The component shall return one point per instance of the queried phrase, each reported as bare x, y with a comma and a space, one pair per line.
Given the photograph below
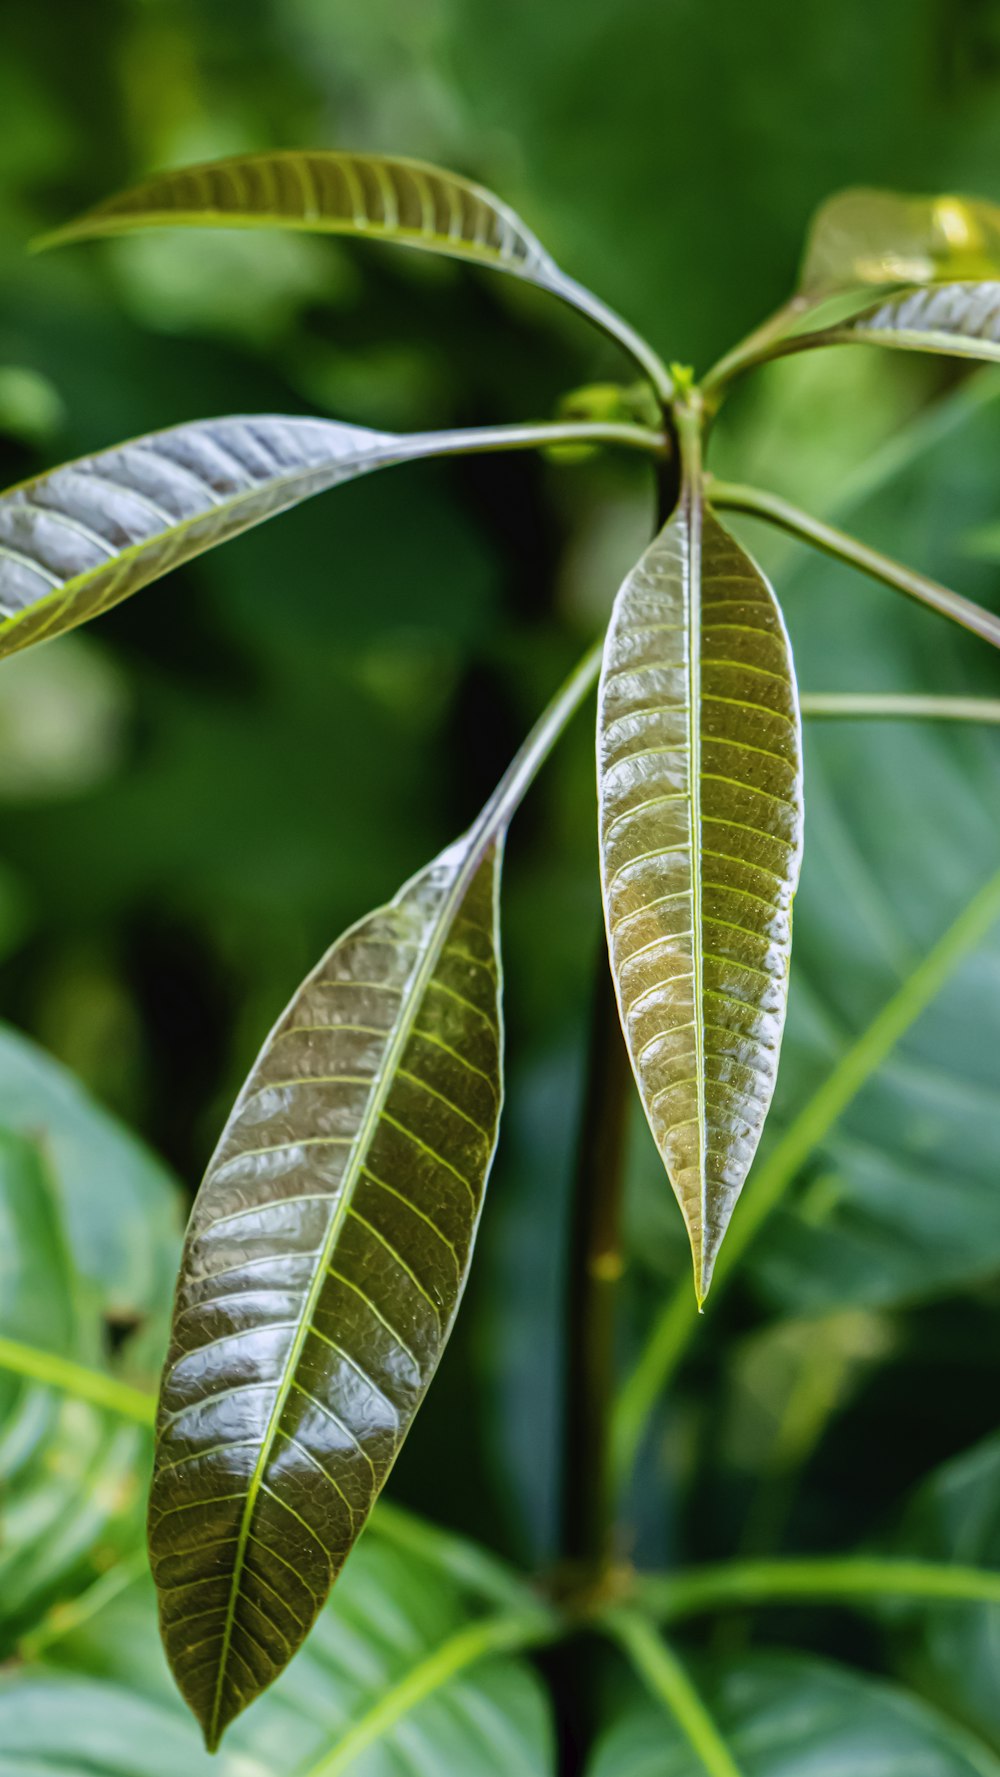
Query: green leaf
863, 237
962, 320
79, 539
402, 1663
785, 1716
951, 1653
89, 1230
376, 196
323, 1267
700, 787
370, 196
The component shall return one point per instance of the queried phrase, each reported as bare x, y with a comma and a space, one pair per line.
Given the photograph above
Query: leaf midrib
693, 519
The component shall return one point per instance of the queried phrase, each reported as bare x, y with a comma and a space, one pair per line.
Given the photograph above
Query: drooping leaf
786, 1716
372, 196
962, 320
699, 778
79, 539
90, 1227
323, 1267
885, 237
97, 1695
951, 1653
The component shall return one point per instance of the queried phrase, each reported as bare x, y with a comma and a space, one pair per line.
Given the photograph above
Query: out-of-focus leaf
784, 1716
88, 1234
323, 1267
98, 1694
372, 196
863, 237
75, 541
951, 1652
699, 774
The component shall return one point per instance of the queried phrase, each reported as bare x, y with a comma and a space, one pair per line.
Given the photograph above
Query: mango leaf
962, 320
323, 1267
90, 1226
883, 237
403, 1660
951, 1652
77, 540
371, 196
700, 788
785, 1716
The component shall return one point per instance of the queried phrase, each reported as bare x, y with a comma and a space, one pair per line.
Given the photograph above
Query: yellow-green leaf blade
77, 540
699, 779
369, 196
324, 1264
376, 196
863, 237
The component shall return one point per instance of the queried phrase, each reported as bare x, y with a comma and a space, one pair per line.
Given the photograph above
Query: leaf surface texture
324, 1263
79, 539
700, 808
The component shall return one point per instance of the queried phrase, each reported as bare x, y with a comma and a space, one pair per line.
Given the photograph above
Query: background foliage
187, 816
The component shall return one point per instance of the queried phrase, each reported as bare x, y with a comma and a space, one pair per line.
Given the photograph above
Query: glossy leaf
962, 320
324, 1263
785, 1716
699, 776
79, 539
90, 1228
884, 237
97, 1695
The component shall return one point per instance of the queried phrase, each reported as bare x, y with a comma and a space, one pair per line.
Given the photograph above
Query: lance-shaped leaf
371, 196
962, 320
884, 237
323, 1267
700, 787
79, 539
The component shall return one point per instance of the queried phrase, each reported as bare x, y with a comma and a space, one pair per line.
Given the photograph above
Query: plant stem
822, 1579
92, 1386
787, 517
503, 1634
595, 1267
903, 706
666, 1679
541, 435
775, 1176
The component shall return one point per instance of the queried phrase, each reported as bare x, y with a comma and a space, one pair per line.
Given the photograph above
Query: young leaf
323, 1267
372, 196
700, 788
883, 237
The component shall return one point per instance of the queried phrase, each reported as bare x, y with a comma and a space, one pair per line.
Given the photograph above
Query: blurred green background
200, 792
